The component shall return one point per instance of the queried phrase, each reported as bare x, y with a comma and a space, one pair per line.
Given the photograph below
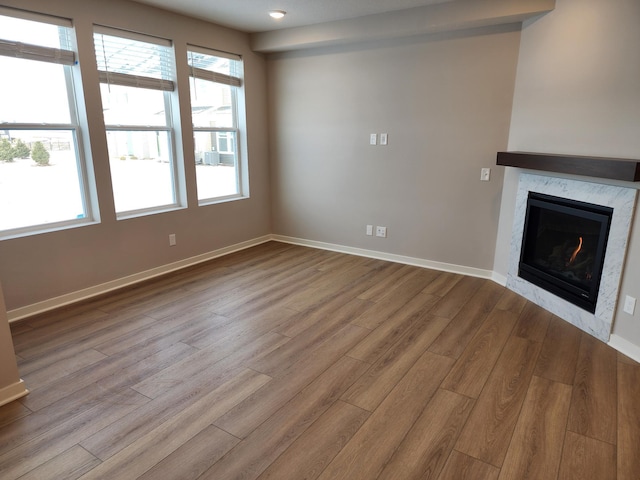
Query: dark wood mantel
600, 167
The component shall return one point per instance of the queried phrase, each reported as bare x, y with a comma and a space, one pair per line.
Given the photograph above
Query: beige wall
44, 266
445, 102
11, 386
578, 92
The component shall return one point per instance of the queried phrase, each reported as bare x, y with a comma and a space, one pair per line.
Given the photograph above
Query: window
136, 83
215, 81
43, 182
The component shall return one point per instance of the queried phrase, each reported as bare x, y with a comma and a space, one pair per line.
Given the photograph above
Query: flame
575, 252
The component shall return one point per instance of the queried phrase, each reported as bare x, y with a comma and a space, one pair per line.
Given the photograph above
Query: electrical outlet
381, 232
369, 230
373, 139
629, 305
384, 138
172, 239
485, 174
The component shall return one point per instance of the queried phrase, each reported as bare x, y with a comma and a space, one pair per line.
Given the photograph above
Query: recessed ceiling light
277, 13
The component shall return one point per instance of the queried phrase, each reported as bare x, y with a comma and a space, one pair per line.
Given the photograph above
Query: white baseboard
499, 279
87, 293
620, 344
418, 262
12, 392
625, 347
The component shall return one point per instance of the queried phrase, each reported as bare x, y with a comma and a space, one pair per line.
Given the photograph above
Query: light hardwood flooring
284, 362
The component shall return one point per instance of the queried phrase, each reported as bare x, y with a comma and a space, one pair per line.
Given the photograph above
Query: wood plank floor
284, 362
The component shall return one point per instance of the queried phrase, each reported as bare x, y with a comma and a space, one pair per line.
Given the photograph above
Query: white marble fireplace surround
622, 200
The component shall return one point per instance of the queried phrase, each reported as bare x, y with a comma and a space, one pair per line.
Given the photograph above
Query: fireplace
563, 247
573, 195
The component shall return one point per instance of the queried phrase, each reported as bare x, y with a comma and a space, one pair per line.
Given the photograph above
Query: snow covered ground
32, 195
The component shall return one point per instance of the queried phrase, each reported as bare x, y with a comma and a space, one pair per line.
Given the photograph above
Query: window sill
215, 201
44, 229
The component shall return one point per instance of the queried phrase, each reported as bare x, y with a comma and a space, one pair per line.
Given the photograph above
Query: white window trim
167, 85
238, 106
67, 58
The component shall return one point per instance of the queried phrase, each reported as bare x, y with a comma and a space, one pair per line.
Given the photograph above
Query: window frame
168, 86
66, 57
235, 137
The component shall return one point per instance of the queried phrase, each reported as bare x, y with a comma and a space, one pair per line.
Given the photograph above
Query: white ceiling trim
253, 15
450, 16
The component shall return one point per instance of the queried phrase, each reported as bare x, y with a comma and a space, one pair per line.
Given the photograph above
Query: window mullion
137, 128
215, 129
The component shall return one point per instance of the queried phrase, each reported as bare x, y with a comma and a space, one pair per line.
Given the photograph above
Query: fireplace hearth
563, 247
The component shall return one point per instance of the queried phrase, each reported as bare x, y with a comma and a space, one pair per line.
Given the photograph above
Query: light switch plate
383, 138
373, 139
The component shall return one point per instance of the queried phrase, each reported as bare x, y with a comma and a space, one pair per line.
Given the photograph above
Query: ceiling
252, 15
